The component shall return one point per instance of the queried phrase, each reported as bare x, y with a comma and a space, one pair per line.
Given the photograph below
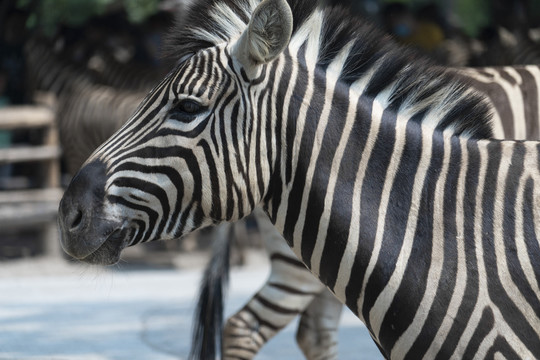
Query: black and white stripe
366, 158
513, 92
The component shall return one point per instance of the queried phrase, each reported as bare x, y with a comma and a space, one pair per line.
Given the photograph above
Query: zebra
91, 113
272, 164
501, 46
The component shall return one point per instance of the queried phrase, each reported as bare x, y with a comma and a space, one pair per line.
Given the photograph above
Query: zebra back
513, 93
47, 70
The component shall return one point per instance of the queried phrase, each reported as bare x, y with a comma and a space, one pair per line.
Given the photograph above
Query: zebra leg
288, 292
317, 333
280, 300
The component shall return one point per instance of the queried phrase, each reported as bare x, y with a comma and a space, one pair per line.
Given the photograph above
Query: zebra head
190, 156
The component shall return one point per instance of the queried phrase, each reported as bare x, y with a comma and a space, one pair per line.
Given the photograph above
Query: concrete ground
53, 310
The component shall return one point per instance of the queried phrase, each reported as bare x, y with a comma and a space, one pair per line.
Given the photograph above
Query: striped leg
290, 289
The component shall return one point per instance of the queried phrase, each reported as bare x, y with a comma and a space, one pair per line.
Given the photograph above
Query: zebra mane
412, 80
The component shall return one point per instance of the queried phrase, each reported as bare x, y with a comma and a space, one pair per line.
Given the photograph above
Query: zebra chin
108, 253
87, 232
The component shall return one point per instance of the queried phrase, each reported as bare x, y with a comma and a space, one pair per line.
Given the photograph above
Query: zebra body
245, 119
511, 92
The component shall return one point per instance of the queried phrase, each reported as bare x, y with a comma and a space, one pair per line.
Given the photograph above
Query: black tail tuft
208, 317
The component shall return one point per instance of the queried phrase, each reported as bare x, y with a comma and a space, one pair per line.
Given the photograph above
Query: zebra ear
267, 35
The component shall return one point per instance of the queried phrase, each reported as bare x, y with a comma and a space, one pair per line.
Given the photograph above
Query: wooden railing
34, 207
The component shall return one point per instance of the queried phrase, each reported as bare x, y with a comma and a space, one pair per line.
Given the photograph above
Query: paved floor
91, 314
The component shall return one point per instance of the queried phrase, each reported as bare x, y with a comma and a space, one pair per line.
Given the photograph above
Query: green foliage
139, 10
474, 15
47, 15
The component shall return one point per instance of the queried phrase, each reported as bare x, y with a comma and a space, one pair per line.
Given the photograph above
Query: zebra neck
382, 210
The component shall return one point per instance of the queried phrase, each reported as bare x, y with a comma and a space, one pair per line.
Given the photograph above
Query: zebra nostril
77, 220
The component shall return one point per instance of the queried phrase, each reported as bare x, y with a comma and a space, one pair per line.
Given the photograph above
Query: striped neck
381, 205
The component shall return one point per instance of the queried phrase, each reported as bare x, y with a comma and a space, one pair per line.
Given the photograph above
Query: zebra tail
208, 316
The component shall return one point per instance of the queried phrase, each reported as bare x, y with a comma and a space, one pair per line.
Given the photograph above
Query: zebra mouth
109, 252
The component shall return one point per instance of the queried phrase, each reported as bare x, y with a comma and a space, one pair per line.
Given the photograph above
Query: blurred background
72, 72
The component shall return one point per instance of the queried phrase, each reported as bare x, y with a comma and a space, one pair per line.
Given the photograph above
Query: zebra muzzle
87, 233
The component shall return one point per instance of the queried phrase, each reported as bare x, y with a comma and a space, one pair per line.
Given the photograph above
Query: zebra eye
185, 110
189, 106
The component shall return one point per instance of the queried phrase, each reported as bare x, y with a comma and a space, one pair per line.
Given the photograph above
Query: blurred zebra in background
513, 93
90, 105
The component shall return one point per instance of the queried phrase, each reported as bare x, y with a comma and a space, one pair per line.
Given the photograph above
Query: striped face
185, 160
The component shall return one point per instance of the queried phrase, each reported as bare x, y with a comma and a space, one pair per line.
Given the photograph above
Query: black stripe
499, 99
339, 221
288, 260
291, 290
261, 322
529, 90
276, 180
295, 103
275, 307
215, 211
515, 172
304, 153
152, 215
149, 188
497, 292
